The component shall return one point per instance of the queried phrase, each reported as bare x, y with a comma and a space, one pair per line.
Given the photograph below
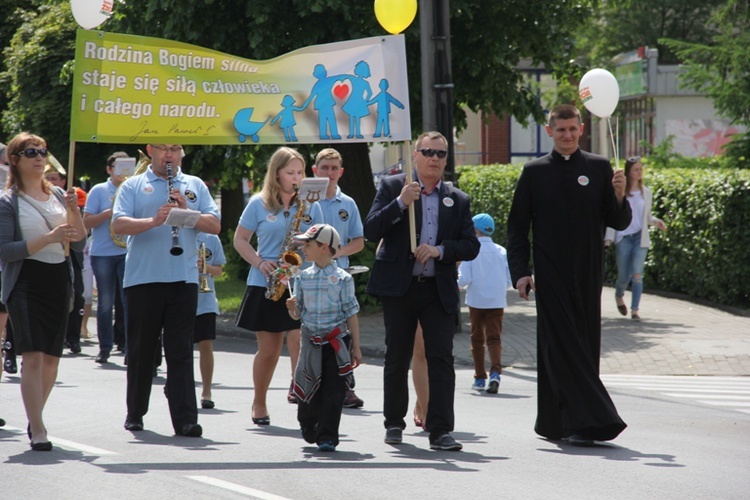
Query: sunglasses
32, 152
429, 153
634, 159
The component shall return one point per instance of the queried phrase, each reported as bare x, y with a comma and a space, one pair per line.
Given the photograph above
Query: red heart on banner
341, 90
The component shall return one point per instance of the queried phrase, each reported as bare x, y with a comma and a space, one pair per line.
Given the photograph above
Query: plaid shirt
325, 297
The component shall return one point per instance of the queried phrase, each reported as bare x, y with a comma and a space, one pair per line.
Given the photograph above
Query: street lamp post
437, 80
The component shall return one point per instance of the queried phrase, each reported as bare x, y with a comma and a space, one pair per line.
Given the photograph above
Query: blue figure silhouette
383, 100
286, 120
322, 92
356, 105
246, 127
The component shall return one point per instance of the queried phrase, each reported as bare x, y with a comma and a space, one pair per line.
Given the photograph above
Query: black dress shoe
102, 357
190, 430
133, 424
2, 422
75, 347
10, 365
579, 440
43, 446
207, 404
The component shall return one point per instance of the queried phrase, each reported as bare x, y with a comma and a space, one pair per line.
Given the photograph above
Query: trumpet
203, 281
176, 248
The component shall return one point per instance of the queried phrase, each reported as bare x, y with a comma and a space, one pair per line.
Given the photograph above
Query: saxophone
287, 256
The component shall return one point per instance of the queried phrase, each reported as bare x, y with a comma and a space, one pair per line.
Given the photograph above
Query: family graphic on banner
351, 92
187, 94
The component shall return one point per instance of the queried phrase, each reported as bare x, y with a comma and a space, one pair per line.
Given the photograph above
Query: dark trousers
420, 303
153, 308
119, 326
324, 409
73, 334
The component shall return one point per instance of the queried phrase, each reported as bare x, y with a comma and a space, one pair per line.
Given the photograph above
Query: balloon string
612, 138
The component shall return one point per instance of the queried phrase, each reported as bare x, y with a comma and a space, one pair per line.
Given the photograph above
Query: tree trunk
357, 181
232, 204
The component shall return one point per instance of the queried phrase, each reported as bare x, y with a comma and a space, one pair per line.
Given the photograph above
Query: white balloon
599, 92
91, 13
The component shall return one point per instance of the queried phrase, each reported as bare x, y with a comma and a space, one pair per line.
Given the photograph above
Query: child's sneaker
494, 383
479, 384
326, 446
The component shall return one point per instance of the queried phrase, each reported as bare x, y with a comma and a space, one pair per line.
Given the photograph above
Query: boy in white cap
323, 298
486, 280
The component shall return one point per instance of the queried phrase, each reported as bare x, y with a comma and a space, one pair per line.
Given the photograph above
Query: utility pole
437, 79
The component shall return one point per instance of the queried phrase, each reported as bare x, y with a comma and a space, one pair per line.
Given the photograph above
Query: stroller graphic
246, 127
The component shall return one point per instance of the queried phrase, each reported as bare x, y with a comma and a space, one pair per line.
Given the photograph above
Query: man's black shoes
190, 430
579, 440
393, 435
133, 424
445, 442
102, 357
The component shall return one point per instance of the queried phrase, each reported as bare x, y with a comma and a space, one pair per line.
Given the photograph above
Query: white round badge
448, 202
583, 180
271, 218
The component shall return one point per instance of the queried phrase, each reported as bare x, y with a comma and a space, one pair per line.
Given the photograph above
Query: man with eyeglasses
420, 287
567, 198
161, 286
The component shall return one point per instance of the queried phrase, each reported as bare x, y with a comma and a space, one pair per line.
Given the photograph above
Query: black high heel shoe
44, 446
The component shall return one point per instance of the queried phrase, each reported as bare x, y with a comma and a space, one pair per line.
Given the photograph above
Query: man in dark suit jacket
420, 286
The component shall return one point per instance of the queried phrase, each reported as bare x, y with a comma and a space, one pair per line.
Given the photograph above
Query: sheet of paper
124, 167
313, 189
182, 217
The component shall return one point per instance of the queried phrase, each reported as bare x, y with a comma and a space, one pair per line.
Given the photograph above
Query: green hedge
705, 252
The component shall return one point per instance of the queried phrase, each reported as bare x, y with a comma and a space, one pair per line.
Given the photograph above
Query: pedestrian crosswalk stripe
733, 392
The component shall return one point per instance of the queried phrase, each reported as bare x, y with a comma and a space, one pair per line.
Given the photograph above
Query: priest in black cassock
567, 198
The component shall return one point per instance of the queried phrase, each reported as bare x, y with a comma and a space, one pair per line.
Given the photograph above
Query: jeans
109, 272
631, 258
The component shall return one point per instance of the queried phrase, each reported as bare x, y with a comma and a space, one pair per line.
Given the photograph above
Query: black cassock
567, 203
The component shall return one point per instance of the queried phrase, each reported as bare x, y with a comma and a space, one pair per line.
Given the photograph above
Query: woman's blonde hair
270, 194
15, 146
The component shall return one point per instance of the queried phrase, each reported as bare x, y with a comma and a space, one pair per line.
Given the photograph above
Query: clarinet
176, 248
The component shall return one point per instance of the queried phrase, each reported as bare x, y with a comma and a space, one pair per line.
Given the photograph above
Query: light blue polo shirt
341, 212
148, 259
100, 199
207, 302
271, 229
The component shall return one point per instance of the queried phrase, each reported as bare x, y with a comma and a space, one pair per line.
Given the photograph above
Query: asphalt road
687, 438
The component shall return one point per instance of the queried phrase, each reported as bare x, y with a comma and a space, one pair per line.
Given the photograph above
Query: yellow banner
133, 89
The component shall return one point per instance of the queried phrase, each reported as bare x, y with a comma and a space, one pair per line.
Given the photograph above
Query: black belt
422, 279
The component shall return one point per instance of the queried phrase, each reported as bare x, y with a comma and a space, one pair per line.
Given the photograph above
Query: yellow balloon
395, 15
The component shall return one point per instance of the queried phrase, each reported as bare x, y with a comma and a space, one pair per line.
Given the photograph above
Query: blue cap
484, 223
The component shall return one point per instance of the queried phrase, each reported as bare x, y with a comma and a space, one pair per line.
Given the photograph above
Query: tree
489, 42
626, 25
721, 67
37, 83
